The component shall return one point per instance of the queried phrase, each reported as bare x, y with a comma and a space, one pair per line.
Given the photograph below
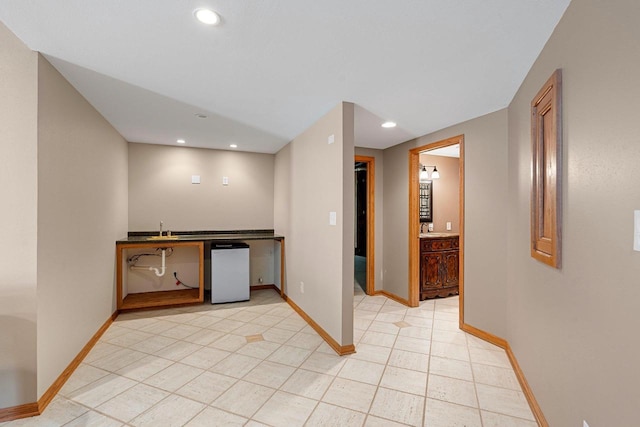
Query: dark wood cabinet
439, 266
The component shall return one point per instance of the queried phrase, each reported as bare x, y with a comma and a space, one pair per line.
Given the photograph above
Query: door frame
371, 223
414, 220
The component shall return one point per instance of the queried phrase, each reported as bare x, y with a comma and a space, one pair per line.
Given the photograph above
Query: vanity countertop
432, 235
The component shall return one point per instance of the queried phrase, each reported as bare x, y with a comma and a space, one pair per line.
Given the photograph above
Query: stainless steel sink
163, 238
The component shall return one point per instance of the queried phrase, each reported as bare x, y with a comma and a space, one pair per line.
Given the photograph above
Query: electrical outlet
260, 279
448, 226
225, 180
302, 287
333, 218
331, 139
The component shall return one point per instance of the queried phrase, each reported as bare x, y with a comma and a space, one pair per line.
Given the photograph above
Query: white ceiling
448, 151
276, 66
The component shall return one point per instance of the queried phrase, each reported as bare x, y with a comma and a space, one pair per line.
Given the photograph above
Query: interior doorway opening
420, 215
364, 220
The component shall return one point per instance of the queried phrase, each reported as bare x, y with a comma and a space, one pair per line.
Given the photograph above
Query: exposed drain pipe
159, 272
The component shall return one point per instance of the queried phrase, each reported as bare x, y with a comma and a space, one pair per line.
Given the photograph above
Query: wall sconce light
424, 174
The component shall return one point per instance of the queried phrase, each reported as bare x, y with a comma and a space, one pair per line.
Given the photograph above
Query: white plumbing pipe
162, 270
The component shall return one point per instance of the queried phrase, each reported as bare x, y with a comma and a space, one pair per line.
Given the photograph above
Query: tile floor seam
426, 387
475, 388
90, 409
286, 324
507, 415
154, 353
124, 391
255, 412
378, 386
375, 394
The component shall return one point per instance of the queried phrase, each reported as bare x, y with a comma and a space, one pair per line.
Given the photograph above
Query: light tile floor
258, 363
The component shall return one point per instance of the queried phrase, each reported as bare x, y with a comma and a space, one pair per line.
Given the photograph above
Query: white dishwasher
229, 272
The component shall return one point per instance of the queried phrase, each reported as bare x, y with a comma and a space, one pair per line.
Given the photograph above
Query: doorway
364, 220
414, 218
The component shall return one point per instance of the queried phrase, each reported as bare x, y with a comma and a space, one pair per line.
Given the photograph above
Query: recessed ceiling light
200, 116
207, 16
389, 125
181, 141
233, 145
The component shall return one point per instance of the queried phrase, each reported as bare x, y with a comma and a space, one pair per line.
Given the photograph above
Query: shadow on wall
18, 383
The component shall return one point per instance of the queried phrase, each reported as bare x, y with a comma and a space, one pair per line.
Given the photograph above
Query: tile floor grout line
248, 318
426, 386
475, 388
378, 386
375, 394
90, 409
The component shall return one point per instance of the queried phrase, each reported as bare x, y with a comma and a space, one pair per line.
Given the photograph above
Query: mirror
426, 201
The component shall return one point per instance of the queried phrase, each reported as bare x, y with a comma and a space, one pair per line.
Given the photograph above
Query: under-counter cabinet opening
159, 274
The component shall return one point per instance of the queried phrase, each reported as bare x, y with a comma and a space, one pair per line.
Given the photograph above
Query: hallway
258, 363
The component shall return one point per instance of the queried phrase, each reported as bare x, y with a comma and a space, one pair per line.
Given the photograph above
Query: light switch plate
448, 226
225, 180
332, 218
636, 231
195, 179
331, 139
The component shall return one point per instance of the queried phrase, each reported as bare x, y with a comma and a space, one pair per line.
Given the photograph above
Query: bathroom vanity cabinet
439, 265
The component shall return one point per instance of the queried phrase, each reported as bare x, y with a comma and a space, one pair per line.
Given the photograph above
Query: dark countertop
197, 236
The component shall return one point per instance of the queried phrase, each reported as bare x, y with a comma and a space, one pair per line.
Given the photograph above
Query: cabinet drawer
430, 244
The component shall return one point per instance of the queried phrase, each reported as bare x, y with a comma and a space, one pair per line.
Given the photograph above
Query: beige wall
446, 192
395, 221
160, 189
313, 178
379, 214
485, 216
18, 220
82, 211
574, 330
485, 160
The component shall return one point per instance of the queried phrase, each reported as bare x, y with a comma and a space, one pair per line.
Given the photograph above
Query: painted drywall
312, 179
446, 192
19, 193
395, 211
348, 213
485, 143
160, 189
379, 214
82, 211
574, 330
485, 216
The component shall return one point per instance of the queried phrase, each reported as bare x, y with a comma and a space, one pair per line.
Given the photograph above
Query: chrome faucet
161, 223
